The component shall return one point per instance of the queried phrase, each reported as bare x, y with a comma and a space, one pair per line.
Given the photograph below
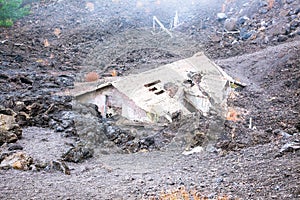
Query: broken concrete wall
112, 102
104, 98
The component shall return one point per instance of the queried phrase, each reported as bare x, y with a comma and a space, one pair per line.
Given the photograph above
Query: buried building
190, 85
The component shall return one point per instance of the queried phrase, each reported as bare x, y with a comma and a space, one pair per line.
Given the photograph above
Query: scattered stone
20, 106
263, 11
194, 150
10, 131
219, 180
58, 166
22, 118
4, 76
282, 38
291, 146
245, 35
40, 164
25, 80
59, 129
19, 161
8, 137
297, 126
211, 148
215, 38
221, 16
281, 133
77, 154
242, 20
230, 24
263, 3
65, 81
289, 1
33, 168
15, 147
5, 155
284, 13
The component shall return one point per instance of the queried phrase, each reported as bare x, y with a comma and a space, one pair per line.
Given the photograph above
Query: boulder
19, 161
57, 165
77, 154
230, 24
10, 131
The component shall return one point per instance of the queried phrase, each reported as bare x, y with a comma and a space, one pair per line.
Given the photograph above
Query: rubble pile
246, 147
254, 24
30, 81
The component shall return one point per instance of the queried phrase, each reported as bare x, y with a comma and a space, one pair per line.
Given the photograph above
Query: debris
230, 24
242, 20
282, 38
156, 21
19, 161
291, 146
221, 16
197, 149
263, 11
175, 20
15, 147
250, 123
282, 133
57, 165
77, 154
245, 35
211, 148
197, 86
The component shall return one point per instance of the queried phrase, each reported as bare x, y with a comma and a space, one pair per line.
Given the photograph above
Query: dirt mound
271, 99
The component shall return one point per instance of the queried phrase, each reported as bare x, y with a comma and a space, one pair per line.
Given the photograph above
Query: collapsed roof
185, 86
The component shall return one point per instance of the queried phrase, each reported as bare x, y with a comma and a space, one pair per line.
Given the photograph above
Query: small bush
11, 10
91, 76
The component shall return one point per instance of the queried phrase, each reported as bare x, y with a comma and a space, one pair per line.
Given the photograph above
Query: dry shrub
91, 76
183, 194
114, 73
232, 115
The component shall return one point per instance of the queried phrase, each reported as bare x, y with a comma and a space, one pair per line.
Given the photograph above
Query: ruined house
185, 86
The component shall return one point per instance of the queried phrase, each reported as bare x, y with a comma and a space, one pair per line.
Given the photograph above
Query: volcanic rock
58, 166
230, 24
77, 154
19, 161
10, 131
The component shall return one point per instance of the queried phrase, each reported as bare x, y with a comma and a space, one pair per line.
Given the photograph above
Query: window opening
152, 83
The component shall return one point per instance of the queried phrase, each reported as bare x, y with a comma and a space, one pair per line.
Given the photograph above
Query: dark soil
45, 53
